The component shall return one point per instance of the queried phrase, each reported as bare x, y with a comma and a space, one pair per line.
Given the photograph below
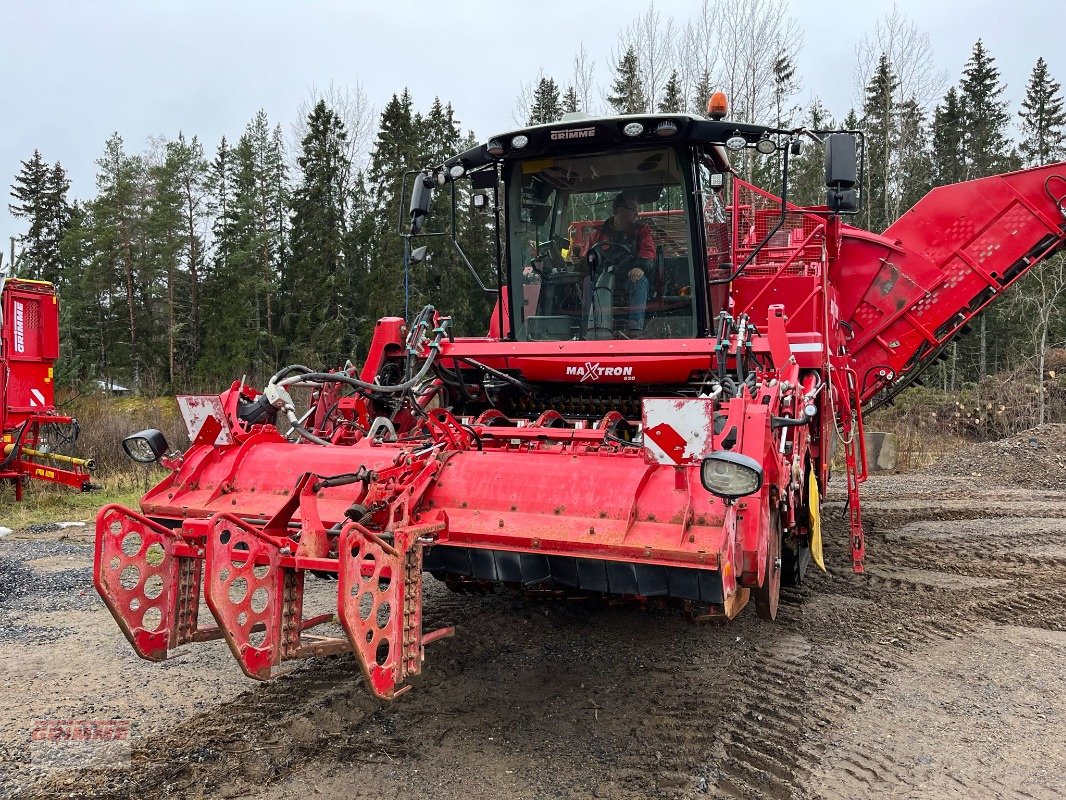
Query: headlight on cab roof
730, 475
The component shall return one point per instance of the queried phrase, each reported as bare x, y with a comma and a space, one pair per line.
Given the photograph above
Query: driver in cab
637, 251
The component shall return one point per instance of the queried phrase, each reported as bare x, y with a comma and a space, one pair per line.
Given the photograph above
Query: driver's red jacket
638, 239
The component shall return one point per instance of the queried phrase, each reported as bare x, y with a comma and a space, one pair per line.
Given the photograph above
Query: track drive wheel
766, 596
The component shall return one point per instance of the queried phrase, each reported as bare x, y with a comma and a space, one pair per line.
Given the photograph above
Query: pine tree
1043, 119
251, 228
395, 153
1039, 301
82, 315
316, 326
178, 217
984, 115
915, 164
949, 145
546, 106
221, 179
446, 281
358, 259
701, 93
30, 191
121, 270
987, 152
571, 103
879, 119
228, 305
673, 101
785, 85
627, 92
41, 195
807, 170
165, 228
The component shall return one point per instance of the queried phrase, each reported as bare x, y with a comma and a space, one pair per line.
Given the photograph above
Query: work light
730, 475
145, 446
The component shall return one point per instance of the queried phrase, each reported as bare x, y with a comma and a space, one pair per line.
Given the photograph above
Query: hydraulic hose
338, 377
13, 454
421, 322
306, 434
286, 370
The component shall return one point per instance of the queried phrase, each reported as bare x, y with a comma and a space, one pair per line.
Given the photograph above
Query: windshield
600, 247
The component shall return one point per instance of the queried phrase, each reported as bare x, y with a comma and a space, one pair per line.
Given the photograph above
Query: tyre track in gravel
536, 700
1011, 585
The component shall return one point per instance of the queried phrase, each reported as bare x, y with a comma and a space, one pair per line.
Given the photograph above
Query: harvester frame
673, 447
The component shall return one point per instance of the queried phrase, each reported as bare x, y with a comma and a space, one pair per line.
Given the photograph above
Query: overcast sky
74, 72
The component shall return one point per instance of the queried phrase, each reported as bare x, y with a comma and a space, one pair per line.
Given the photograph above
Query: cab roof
577, 133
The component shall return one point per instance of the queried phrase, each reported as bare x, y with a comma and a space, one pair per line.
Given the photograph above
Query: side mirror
418, 255
841, 173
421, 196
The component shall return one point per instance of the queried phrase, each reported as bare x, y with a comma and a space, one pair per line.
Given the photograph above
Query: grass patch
43, 502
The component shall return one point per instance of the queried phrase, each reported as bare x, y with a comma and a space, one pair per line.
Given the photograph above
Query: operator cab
634, 227
600, 246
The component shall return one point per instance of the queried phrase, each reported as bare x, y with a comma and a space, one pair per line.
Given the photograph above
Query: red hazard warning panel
677, 430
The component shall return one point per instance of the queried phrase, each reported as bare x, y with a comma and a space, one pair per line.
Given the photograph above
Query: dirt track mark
534, 700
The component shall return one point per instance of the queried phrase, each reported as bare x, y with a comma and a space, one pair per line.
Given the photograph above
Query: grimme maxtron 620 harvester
652, 413
31, 432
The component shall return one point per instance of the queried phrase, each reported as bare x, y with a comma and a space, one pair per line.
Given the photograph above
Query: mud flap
149, 577
257, 603
814, 514
379, 601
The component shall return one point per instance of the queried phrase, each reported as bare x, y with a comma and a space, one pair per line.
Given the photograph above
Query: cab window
600, 247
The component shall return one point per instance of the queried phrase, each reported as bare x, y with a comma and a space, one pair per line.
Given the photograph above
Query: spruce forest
194, 263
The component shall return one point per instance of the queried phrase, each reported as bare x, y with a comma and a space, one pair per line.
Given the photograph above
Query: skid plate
256, 602
149, 577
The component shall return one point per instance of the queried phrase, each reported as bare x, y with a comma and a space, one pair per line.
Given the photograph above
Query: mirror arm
462, 255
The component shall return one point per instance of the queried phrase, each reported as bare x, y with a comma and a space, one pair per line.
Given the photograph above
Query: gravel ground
937, 674
1035, 458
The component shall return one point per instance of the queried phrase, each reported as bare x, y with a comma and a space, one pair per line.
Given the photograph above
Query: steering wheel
548, 255
618, 255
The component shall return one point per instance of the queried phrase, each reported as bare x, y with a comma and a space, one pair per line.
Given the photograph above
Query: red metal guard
256, 602
149, 577
849, 415
380, 603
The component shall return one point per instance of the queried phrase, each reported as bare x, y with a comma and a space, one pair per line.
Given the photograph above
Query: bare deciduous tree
910, 55
700, 52
583, 79
350, 103
524, 100
653, 41
753, 38
1037, 299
